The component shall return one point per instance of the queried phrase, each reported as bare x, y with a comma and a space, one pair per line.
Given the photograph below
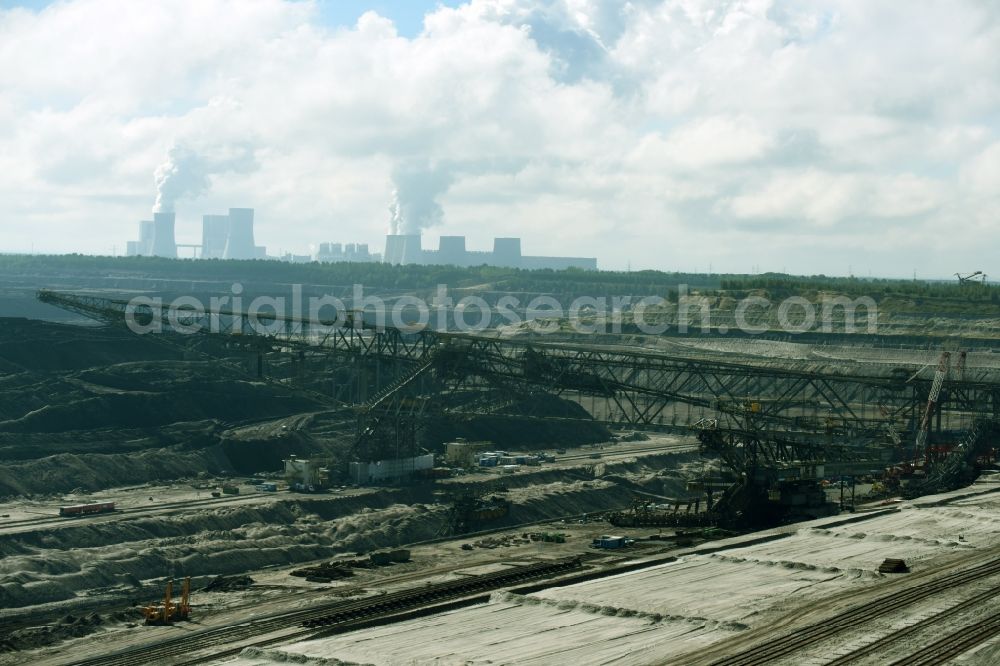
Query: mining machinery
170, 611
952, 467
768, 475
644, 512
800, 415
944, 365
471, 511
976, 277
772, 476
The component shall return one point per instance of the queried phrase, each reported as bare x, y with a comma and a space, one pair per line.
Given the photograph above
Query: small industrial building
337, 252
363, 473
461, 453
306, 475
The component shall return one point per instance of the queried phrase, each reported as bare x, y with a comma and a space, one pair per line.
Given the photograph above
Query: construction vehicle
170, 612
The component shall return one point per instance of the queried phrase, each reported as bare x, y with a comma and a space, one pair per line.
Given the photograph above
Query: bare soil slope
91, 407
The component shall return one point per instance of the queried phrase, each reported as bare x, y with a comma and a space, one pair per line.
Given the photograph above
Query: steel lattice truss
409, 372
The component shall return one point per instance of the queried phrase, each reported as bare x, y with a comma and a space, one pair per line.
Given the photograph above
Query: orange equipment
170, 612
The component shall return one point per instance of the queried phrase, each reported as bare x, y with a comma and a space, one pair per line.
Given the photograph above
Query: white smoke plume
185, 172
395, 214
416, 187
181, 174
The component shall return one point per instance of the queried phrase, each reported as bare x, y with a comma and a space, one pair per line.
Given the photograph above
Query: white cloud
710, 141
666, 133
826, 199
982, 172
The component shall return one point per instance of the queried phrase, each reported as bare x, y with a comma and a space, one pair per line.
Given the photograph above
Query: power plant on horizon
407, 249
231, 237
223, 237
413, 208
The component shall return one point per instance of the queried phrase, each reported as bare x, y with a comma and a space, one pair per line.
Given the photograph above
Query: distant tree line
372, 275
945, 296
779, 285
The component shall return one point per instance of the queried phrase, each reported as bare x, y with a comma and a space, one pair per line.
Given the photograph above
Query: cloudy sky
806, 136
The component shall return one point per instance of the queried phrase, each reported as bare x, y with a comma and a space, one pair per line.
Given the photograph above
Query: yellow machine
170, 612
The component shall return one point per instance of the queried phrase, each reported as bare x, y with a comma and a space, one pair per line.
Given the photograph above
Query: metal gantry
398, 371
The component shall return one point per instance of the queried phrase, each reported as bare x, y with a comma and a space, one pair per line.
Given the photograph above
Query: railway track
327, 616
888, 642
447, 590
859, 616
943, 650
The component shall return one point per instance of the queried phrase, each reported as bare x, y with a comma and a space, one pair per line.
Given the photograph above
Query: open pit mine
364, 493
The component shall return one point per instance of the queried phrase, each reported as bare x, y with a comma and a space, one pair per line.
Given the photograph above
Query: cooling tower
451, 250
163, 244
145, 243
239, 240
412, 252
214, 231
393, 249
507, 252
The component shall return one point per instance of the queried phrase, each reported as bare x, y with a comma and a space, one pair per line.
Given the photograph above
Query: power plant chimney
239, 241
163, 243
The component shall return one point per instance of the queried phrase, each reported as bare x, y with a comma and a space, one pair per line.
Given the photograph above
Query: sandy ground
668, 613
274, 590
55, 567
28, 514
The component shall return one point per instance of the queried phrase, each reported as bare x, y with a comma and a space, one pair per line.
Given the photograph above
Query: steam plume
414, 205
185, 172
181, 174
